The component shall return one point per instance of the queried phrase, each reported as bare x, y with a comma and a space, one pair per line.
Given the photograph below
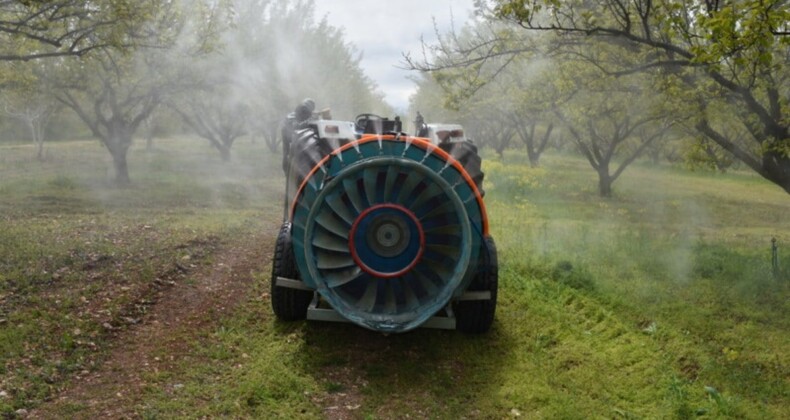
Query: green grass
656, 303
79, 254
681, 259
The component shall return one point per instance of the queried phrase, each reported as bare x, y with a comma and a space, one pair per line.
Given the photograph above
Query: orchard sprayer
383, 229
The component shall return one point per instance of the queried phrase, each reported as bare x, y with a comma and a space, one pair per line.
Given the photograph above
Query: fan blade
328, 221
340, 278
333, 260
331, 242
341, 209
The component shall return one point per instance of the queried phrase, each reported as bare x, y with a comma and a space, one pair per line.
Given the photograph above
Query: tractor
381, 228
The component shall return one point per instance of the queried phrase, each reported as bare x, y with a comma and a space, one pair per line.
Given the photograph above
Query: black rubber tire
476, 316
465, 152
288, 304
305, 152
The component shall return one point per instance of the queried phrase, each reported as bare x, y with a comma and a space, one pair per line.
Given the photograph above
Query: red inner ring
364, 266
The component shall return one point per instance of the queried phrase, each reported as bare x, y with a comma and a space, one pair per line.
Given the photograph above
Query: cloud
384, 30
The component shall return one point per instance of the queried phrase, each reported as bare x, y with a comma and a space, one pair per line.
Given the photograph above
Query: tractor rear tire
288, 304
465, 152
476, 316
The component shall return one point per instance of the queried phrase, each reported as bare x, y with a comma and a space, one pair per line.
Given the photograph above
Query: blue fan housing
388, 230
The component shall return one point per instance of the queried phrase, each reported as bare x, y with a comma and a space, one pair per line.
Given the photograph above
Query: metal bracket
476, 295
321, 311
292, 284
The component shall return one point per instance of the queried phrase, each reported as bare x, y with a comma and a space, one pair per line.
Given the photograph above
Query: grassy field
657, 303
82, 259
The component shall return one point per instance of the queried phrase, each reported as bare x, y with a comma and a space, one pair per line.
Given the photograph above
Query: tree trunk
655, 155
150, 126
224, 152
534, 157
777, 169
40, 150
604, 181
535, 151
772, 165
121, 168
118, 143
38, 139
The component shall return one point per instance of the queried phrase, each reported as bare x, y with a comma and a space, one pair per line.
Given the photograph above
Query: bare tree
34, 109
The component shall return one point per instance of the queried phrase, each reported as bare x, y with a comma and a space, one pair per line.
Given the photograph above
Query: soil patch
165, 334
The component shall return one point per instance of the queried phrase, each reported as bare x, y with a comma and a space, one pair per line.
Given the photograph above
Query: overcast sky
383, 29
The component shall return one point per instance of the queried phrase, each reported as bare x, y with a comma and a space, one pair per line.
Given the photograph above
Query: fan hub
386, 240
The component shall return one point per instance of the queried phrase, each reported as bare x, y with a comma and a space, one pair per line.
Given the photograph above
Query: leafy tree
114, 92
35, 29
431, 102
217, 107
216, 113
705, 52
490, 127
602, 132
532, 97
704, 152
486, 117
611, 120
151, 128
498, 99
113, 104
275, 54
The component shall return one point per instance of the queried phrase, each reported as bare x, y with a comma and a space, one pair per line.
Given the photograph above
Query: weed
333, 387
63, 182
723, 405
565, 273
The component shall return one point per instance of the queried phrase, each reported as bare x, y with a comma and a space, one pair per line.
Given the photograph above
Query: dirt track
178, 316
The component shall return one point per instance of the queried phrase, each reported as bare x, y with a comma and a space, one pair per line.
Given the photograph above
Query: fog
632, 188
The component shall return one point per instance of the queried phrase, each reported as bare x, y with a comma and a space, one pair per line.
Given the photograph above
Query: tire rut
165, 335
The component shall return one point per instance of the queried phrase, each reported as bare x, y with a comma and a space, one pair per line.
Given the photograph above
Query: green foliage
62, 28
722, 66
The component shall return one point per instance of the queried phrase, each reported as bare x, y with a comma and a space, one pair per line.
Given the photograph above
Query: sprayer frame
319, 310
